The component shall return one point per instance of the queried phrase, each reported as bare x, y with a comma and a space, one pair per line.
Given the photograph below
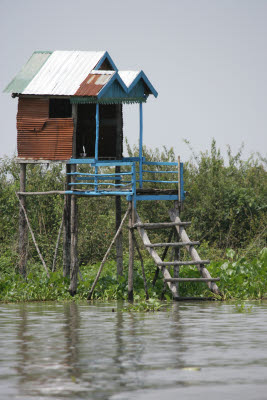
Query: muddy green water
194, 351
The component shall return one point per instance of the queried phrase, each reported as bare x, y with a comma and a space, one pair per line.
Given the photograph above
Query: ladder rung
192, 280
178, 244
159, 225
183, 262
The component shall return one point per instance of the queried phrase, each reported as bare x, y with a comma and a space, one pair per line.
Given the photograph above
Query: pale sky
206, 58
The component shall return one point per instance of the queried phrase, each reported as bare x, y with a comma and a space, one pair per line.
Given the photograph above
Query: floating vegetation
241, 307
150, 305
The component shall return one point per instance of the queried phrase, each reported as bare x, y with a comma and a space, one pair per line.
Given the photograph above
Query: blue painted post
134, 185
96, 142
141, 145
182, 182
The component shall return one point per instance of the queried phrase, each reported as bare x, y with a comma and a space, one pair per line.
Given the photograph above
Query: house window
59, 108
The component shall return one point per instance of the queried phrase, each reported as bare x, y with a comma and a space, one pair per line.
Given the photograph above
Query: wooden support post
119, 243
23, 230
131, 252
177, 207
57, 245
74, 267
142, 265
176, 268
66, 227
162, 296
73, 241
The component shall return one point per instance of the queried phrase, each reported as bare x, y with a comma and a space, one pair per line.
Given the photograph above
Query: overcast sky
206, 58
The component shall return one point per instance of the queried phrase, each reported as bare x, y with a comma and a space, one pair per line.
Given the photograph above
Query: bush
226, 203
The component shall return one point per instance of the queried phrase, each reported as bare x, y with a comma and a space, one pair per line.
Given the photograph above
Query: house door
110, 131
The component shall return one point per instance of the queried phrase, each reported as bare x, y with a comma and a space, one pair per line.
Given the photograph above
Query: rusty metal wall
40, 137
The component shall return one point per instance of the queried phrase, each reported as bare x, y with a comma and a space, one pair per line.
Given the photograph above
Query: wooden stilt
66, 227
162, 297
176, 268
177, 207
131, 253
119, 245
142, 265
23, 231
57, 244
74, 267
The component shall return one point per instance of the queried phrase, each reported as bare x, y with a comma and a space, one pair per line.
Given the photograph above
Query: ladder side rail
155, 256
192, 251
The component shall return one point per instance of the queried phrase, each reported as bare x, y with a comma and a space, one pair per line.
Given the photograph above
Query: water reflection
118, 355
71, 342
71, 351
136, 348
176, 334
23, 353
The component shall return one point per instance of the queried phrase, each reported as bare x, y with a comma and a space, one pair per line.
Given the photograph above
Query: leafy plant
242, 308
150, 305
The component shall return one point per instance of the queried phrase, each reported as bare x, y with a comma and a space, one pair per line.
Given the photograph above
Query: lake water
89, 351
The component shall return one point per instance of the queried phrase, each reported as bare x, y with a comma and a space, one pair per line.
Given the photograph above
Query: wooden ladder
185, 242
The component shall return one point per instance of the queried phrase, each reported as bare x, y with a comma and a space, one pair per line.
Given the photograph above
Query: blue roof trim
106, 56
143, 76
115, 77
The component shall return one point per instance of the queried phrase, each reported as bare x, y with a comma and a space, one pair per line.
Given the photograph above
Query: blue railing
99, 183
129, 181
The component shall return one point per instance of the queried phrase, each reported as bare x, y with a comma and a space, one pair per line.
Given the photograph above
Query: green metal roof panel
27, 73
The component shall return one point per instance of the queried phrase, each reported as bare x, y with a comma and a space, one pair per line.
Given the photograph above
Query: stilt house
70, 110
51, 83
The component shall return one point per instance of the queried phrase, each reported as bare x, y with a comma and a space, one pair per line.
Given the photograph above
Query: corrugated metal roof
63, 72
94, 82
28, 71
67, 73
131, 79
128, 76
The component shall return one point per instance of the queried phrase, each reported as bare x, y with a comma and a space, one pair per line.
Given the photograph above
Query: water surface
194, 351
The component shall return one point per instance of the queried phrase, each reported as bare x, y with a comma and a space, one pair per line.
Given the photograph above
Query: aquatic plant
241, 307
150, 305
241, 279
